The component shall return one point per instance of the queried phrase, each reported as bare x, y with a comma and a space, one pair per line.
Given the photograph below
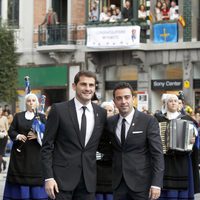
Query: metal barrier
69, 34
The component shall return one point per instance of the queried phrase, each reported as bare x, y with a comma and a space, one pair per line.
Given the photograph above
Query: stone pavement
197, 196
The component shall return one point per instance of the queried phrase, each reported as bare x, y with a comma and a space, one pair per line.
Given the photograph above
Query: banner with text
113, 37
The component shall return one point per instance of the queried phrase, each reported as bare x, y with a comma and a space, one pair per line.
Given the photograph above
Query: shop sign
166, 84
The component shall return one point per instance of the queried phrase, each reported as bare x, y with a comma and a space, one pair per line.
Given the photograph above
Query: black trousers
79, 193
123, 192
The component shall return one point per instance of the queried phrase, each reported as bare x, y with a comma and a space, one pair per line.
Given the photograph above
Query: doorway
60, 7
55, 96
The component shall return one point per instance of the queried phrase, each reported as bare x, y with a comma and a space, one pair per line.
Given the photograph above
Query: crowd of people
102, 151
111, 13
5, 121
115, 14
164, 10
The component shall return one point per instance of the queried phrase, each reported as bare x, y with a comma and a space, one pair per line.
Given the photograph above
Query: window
60, 7
142, 12
171, 71
116, 74
110, 10
13, 13
166, 10
93, 10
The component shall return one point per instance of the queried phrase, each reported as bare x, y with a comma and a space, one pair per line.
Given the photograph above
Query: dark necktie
83, 126
123, 131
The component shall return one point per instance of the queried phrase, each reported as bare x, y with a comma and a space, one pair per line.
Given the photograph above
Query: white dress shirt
89, 113
128, 122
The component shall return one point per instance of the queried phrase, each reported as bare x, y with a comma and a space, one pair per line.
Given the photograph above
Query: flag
27, 85
181, 20
165, 32
38, 128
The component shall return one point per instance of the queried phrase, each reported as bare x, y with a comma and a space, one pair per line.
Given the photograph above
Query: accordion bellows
177, 135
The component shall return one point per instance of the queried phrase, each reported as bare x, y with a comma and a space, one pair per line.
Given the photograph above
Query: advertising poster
142, 101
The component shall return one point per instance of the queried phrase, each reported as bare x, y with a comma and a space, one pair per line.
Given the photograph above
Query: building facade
115, 50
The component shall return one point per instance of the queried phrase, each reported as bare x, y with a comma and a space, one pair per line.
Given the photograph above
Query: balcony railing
57, 34
116, 23
198, 29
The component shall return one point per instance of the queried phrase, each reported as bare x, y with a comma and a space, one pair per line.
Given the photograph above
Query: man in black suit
138, 162
72, 135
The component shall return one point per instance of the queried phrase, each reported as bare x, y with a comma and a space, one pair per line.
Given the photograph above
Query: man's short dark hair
84, 73
181, 96
95, 98
122, 85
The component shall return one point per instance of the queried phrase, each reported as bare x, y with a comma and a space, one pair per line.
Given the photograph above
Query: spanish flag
151, 17
181, 20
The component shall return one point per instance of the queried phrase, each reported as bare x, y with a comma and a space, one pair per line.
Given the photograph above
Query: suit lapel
115, 121
73, 115
131, 129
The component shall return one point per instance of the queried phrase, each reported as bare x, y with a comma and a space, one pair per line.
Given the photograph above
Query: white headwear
163, 99
108, 103
170, 96
171, 115
32, 95
164, 96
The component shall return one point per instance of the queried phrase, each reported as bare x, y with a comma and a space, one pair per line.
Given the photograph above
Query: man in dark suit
138, 163
72, 135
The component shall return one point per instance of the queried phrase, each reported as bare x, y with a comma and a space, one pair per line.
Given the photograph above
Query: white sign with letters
113, 37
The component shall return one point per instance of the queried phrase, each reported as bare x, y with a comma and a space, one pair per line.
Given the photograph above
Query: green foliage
8, 65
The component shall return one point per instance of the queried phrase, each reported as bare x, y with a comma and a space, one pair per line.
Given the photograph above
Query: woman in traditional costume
24, 177
181, 177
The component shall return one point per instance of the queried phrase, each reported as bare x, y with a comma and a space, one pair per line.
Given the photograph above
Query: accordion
177, 135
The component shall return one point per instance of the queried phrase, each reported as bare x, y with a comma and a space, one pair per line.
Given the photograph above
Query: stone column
4, 10
187, 71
